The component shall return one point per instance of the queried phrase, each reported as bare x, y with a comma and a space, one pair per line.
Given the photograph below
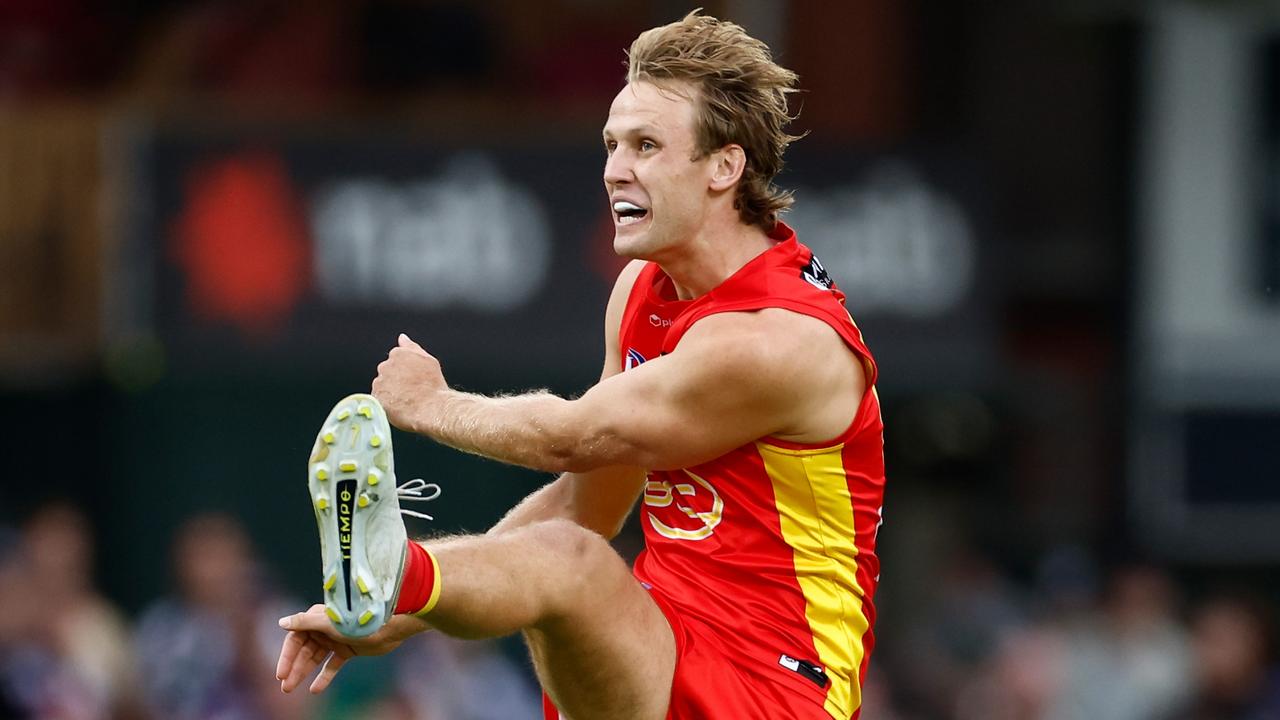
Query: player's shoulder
768, 336
625, 282
620, 294
627, 278
775, 326
791, 361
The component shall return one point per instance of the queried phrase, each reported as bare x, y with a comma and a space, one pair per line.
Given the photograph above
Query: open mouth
628, 213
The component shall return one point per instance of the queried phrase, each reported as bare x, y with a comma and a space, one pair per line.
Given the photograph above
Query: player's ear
729, 163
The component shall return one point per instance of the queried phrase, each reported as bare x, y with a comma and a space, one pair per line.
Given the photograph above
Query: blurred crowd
208, 650
1074, 643
1063, 646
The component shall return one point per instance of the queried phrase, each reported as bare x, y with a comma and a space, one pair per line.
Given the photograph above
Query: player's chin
631, 241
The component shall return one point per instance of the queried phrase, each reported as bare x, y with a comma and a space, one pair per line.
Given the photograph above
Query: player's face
657, 192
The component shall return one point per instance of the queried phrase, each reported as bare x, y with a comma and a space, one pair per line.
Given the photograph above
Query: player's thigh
610, 652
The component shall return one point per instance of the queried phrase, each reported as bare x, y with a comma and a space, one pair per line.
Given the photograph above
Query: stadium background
1058, 225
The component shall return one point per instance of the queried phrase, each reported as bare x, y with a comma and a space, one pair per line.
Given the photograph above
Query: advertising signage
310, 253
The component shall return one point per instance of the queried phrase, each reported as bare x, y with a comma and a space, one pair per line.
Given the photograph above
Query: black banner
311, 252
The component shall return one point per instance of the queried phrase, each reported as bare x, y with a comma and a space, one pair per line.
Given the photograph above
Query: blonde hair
741, 98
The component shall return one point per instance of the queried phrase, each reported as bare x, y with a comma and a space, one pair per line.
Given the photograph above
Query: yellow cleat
366, 411
322, 504
373, 478
344, 414
347, 466
322, 474
328, 438
375, 441
333, 580
365, 617
363, 501
360, 583
333, 615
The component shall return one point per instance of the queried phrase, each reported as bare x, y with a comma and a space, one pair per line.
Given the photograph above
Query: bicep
688, 407
732, 379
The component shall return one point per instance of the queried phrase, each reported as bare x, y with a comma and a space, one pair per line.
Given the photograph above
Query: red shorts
707, 686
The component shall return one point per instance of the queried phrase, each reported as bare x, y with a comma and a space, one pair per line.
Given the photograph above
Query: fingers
309, 656
313, 651
301, 661
329, 671
405, 342
312, 654
313, 620
310, 639
293, 642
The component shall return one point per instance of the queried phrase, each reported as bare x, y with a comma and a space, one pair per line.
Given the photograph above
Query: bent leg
601, 646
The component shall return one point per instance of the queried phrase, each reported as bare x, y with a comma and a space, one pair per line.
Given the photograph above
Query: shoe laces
413, 491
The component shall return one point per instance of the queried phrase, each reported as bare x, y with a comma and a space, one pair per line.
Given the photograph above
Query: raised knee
583, 557
570, 540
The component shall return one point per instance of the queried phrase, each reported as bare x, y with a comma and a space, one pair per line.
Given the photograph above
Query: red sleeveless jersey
768, 550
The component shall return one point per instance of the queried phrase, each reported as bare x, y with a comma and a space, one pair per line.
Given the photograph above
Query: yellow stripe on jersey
816, 514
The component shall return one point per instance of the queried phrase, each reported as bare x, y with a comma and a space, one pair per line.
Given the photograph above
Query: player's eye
646, 146
610, 146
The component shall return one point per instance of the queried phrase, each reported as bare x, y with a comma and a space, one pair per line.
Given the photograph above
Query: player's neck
710, 258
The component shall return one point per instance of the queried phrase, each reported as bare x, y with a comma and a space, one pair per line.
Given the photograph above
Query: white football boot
352, 481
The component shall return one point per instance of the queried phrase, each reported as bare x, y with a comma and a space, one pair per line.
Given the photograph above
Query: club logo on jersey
700, 508
816, 275
633, 359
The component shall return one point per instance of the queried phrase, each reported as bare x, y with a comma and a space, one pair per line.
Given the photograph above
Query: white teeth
623, 206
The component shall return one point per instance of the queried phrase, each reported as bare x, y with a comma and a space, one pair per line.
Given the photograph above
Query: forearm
535, 430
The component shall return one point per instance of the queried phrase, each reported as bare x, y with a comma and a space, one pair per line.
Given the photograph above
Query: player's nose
617, 169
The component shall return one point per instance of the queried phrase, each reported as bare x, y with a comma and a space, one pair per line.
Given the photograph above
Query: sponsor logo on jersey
633, 359
700, 508
816, 275
656, 321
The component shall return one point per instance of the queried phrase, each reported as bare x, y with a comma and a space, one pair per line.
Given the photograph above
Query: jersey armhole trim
635, 298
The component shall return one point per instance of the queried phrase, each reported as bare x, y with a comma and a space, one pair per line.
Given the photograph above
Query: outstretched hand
313, 641
405, 382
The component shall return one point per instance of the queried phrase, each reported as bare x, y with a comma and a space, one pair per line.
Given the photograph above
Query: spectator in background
209, 651
12, 622
1128, 659
1124, 656
973, 607
467, 681
66, 650
1019, 682
1236, 676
